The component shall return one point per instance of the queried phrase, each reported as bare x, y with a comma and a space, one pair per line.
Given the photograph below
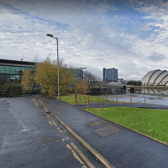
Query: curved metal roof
155, 77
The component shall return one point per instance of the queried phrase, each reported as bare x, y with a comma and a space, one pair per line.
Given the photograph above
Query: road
31, 138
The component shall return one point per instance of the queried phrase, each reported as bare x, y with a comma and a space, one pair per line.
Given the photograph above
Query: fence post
102, 103
75, 97
80, 97
144, 102
88, 101
116, 102
83, 96
131, 102
106, 96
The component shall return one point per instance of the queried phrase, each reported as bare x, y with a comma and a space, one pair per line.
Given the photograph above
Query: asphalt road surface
122, 147
30, 138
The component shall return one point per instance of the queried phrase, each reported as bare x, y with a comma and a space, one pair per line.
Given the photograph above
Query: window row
13, 70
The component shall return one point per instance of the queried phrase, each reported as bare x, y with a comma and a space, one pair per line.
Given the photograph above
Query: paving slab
123, 148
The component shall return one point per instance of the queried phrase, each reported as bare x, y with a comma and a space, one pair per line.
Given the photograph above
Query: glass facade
110, 75
13, 69
78, 73
13, 72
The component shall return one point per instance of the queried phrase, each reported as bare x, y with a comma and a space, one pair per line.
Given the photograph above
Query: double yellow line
72, 147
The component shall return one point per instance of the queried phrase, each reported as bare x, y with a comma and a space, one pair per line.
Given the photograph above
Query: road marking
50, 122
47, 115
66, 138
34, 102
63, 139
83, 156
59, 129
74, 154
53, 123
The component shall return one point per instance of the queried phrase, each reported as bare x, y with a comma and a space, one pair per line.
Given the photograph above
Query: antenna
22, 57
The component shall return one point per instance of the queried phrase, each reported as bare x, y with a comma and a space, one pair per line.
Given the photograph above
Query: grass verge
150, 122
71, 99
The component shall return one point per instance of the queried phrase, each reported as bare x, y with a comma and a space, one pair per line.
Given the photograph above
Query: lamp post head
50, 35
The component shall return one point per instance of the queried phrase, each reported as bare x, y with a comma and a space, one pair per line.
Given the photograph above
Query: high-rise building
110, 75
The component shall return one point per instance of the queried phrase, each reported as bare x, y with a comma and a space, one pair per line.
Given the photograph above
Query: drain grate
50, 139
96, 123
106, 131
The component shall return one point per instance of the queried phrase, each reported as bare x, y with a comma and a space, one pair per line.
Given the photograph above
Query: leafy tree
10, 88
46, 76
2, 80
27, 81
82, 87
131, 82
139, 83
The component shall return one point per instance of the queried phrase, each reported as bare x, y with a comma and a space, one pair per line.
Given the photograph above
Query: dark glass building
110, 75
12, 69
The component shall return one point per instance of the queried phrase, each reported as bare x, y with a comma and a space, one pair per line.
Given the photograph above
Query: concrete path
119, 145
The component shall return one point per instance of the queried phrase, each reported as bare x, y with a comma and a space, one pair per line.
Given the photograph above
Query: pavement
119, 145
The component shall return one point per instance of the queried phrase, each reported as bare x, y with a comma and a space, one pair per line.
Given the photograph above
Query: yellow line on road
50, 122
59, 129
75, 155
83, 156
34, 102
53, 123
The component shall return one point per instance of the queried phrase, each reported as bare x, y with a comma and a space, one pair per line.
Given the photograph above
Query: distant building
110, 75
78, 73
155, 77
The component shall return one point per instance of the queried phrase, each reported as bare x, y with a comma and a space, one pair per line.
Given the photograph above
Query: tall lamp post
50, 35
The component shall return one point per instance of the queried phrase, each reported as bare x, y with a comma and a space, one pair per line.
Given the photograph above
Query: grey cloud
156, 57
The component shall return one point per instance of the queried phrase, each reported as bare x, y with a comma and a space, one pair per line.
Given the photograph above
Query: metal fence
108, 90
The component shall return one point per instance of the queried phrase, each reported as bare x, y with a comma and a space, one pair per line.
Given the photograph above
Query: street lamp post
50, 35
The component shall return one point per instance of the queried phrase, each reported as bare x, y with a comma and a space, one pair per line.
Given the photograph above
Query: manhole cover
106, 131
95, 123
50, 139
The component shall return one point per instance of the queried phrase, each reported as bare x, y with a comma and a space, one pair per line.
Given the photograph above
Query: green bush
10, 88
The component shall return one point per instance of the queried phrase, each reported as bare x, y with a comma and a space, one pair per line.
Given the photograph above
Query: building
12, 69
110, 75
155, 77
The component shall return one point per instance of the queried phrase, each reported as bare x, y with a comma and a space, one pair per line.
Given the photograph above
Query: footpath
122, 147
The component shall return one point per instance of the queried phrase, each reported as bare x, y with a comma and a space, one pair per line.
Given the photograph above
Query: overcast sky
131, 36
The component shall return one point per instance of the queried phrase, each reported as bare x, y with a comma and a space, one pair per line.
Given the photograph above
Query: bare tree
89, 77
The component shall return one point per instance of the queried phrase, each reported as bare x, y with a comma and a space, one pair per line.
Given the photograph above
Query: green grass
150, 122
71, 99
